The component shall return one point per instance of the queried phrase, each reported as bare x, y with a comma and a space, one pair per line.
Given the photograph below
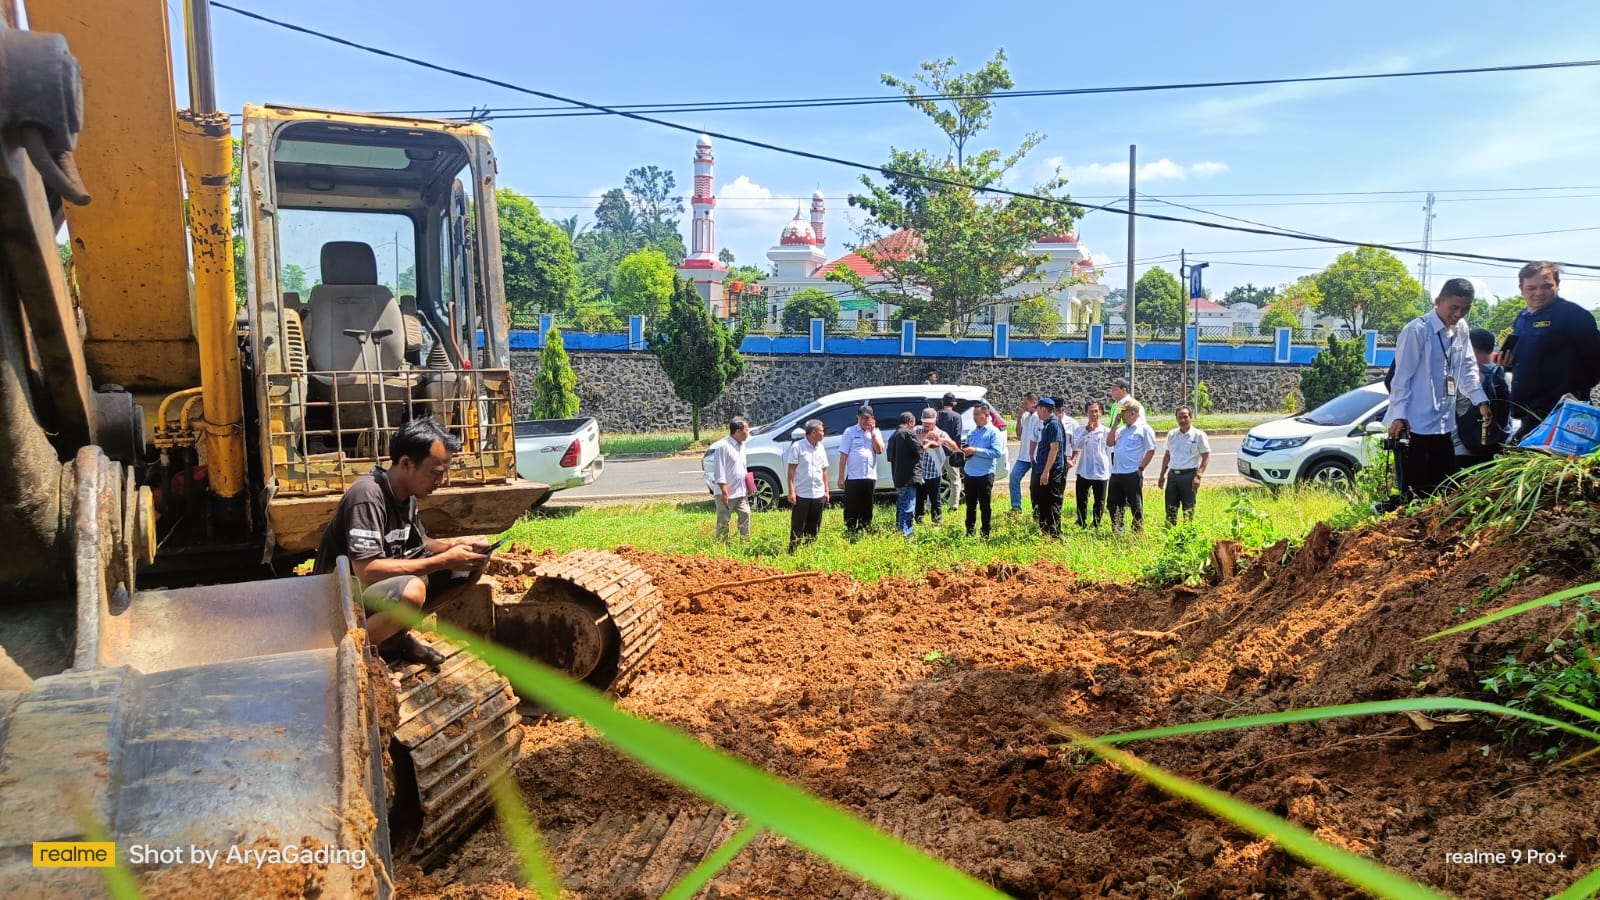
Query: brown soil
929, 707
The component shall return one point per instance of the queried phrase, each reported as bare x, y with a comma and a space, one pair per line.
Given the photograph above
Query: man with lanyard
377, 527
859, 448
1554, 348
1027, 433
1133, 445
985, 450
808, 484
730, 475
1433, 360
1188, 453
1049, 480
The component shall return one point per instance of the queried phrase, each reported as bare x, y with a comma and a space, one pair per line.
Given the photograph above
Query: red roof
1066, 238
896, 245
1204, 305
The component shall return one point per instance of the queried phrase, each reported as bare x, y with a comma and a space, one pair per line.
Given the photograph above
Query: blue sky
1471, 139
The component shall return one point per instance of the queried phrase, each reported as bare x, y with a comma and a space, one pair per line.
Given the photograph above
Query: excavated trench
928, 707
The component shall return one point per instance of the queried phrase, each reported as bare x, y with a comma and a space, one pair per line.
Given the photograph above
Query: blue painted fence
1282, 351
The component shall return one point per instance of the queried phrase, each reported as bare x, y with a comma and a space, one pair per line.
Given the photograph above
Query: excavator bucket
214, 719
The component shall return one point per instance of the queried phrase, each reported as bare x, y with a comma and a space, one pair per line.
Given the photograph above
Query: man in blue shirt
986, 447
1433, 363
1556, 350
1048, 482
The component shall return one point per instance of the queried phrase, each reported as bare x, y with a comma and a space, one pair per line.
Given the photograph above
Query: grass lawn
657, 443
676, 528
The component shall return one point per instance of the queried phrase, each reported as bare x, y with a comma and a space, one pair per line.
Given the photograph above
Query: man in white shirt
1133, 445
1027, 433
1433, 363
728, 472
1093, 460
859, 448
1188, 453
808, 484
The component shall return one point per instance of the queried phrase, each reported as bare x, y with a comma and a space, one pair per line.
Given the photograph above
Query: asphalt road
679, 476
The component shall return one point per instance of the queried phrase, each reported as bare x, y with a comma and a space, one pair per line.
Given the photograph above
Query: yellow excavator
173, 453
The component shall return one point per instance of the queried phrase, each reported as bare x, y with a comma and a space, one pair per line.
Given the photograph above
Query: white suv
765, 448
1324, 446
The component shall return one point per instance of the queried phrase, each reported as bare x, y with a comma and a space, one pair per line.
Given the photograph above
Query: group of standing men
1111, 461
1449, 405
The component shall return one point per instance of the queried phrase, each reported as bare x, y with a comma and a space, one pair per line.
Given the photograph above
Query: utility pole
1127, 316
397, 263
1427, 245
1183, 329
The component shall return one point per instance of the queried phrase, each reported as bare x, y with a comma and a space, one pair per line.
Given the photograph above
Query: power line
930, 179
536, 112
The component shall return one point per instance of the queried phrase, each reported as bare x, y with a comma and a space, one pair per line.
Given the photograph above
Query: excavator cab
375, 296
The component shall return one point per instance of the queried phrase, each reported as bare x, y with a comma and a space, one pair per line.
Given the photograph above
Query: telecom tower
1427, 246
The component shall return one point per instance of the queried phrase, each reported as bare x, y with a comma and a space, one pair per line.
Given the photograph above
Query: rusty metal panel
130, 258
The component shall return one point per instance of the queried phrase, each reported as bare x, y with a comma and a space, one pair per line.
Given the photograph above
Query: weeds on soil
1502, 494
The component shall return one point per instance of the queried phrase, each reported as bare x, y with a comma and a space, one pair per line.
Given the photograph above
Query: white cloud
1117, 172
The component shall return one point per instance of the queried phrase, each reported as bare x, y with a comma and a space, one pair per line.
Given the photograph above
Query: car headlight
1282, 443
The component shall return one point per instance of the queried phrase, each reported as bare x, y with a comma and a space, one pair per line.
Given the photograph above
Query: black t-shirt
949, 422
370, 524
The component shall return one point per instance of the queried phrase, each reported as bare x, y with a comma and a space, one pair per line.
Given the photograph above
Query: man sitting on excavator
376, 526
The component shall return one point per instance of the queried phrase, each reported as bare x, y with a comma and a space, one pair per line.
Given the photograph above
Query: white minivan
1324, 446
764, 451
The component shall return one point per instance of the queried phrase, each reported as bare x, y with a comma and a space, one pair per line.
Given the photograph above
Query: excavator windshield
375, 296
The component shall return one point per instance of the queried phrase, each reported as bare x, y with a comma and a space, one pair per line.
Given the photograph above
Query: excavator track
458, 728
590, 613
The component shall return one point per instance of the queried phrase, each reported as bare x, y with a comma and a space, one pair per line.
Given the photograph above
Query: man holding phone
377, 527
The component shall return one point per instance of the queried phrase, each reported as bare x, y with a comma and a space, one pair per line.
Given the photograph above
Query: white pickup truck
563, 453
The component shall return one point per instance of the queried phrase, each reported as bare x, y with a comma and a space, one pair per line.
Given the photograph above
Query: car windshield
1344, 409
800, 416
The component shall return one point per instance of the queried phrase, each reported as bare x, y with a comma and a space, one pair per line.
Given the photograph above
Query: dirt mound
928, 707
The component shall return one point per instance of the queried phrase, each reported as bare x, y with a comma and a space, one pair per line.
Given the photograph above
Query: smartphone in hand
496, 546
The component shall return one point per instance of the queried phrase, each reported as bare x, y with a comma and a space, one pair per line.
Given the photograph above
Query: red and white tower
701, 267
818, 210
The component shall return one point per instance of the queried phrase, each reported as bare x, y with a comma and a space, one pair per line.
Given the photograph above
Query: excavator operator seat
355, 331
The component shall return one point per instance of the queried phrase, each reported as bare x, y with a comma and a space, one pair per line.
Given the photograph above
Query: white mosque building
800, 260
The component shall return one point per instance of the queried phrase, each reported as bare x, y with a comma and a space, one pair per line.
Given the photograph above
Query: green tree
293, 279
725, 256
1037, 317
1278, 315
1341, 367
644, 285
1249, 293
652, 192
945, 249
803, 306
595, 317
556, 385
408, 280
541, 273
1369, 288
1503, 313
746, 274
698, 354
1157, 298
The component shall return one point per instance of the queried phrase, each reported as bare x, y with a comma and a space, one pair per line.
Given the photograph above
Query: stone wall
628, 392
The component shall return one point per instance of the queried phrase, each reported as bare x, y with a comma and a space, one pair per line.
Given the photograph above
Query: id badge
1449, 386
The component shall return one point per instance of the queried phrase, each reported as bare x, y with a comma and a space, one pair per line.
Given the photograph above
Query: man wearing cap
859, 447
950, 424
1133, 445
1048, 482
936, 447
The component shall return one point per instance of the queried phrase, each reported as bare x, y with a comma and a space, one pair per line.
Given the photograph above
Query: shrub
1342, 367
